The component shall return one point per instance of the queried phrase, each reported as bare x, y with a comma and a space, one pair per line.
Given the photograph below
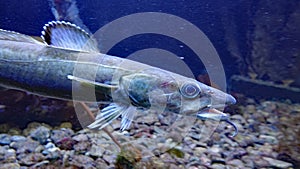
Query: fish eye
190, 90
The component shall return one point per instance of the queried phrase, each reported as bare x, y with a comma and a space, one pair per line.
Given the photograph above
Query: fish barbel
68, 64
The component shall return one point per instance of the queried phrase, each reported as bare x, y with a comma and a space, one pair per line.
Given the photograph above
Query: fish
68, 65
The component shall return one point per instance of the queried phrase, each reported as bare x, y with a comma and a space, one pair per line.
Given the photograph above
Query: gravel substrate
268, 138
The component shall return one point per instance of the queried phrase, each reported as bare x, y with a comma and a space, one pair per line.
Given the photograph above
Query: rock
4, 128
218, 166
17, 138
32, 126
51, 151
66, 125
58, 135
41, 134
66, 143
25, 146
260, 162
30, 159
100, 163
4, 139
14, 131
149, 118
198, 151
277, 163
7, 155
10, 166
82, 161
96, 151
110, 159
10, 156
80, 137
236, 163
248, 161
268, 139
81, 146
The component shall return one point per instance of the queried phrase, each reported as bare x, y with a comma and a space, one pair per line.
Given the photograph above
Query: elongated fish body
43, 70
68, 65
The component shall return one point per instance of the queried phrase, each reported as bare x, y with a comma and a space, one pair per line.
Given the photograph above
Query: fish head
185, 96
197, 97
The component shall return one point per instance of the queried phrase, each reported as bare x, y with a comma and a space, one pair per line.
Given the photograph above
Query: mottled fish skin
59, 68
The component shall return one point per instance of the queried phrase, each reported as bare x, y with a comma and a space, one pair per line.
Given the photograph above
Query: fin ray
106, 117
69, 36
127, 117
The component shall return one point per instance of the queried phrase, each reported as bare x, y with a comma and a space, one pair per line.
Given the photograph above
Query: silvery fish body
68, 65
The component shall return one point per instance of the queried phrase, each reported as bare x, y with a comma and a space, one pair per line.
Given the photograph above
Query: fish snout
230, 100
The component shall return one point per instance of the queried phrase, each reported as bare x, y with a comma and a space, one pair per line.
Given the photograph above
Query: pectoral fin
107, 115
112, 112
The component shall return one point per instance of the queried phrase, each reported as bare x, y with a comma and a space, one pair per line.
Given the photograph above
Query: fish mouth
210, 112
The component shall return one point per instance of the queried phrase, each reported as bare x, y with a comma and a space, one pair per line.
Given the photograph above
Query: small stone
248, 161
214, 150
4, 139
30, 159
7, 155
41, 134
100, 162
198, 151
236, 163
277, 163
260, 162
58, 135
17, 138
218, 166
80, 137
4, 128
96, 151
33, 126
25, 146
66, 125
81, 146
82, 161
268, 139
251, 108
14, 131
10, 166
149, 119
66, 143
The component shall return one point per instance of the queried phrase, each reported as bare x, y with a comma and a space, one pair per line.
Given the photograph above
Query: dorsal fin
15, 36
66, 35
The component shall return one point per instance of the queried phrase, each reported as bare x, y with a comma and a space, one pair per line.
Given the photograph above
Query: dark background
257, 36
29, 16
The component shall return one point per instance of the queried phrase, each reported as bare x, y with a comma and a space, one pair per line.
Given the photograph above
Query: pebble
58, 135
96, 151
218, 166
30, 159
17, 138
41, 134
277, 163
236, 163
10, 166
80, 137
268, 139
253, 147
5, 139
25, 146
82, 161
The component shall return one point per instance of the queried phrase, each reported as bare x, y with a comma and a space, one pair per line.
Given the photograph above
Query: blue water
28, 17
225, 23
